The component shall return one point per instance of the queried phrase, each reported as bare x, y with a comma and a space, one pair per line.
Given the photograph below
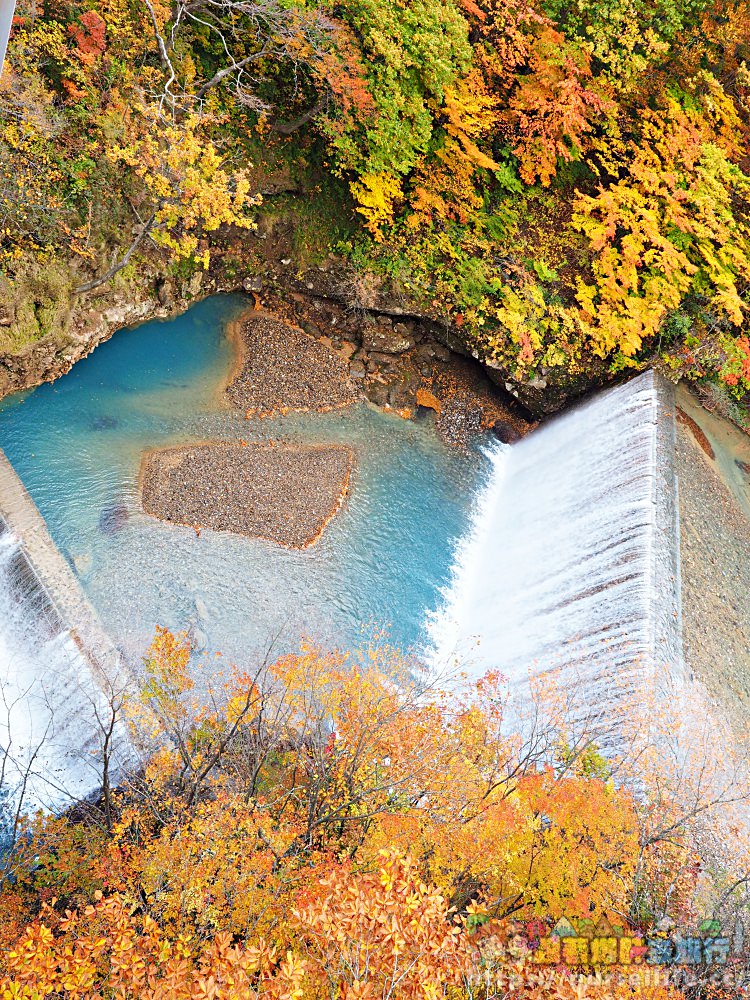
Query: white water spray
49, 736
572, 558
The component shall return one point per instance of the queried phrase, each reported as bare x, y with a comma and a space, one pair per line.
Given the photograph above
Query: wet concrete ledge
20, 515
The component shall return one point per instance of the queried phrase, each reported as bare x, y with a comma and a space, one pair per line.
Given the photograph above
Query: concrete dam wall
59, 671
572, 562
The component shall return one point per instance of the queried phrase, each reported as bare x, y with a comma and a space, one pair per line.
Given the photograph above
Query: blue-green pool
380, 565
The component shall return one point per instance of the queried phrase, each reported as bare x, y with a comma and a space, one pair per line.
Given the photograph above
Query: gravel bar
283, 369
281, 493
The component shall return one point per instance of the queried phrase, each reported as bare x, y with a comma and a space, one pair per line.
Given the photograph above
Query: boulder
386, 361
385, 338
377, 393
431, 350
402, 394
165, 292
505, 432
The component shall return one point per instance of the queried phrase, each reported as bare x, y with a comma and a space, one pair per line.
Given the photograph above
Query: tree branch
89, 285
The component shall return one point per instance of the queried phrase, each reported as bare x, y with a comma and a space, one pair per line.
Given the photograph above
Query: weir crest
571, 562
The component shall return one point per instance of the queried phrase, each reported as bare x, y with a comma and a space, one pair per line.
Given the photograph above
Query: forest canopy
565, 184
335, 826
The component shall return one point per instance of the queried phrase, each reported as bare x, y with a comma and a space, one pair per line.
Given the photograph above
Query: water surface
77, 445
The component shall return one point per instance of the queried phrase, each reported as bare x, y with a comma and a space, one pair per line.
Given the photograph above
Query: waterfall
49, 736
572, 558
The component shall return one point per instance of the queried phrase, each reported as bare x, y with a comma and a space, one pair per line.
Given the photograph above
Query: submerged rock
83, 563
113, 519
198, 640
696, 431
104, 423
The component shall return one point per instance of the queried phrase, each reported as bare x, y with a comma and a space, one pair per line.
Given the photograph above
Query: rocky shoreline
326, 356
282, 494
392, 358
377, 321
288, 494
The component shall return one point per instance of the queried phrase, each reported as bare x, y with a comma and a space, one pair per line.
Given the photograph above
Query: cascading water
49, 736
572, 559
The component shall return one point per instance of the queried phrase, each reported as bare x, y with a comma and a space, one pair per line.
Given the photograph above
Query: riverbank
313, 353
282, 494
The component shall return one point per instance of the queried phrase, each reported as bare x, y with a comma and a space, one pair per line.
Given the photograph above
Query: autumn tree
666, 231
383, 934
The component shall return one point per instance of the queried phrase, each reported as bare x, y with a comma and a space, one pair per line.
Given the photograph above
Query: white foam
571, 560
50, 740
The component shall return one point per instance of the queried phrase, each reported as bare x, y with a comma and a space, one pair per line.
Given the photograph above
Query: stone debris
387, 337
282, 493
398, 363
284, 369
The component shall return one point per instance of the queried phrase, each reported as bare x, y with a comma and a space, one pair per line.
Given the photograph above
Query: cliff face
83, 322
92, 319
47, 359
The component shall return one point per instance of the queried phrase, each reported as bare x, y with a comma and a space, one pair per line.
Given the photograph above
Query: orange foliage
384, 933
107, 947
326, 828
505, 29
553, 107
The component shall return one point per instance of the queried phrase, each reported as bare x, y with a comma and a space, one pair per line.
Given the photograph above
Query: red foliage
740, 366
88, 35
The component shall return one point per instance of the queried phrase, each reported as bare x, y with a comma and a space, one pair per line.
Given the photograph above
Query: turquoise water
77, 445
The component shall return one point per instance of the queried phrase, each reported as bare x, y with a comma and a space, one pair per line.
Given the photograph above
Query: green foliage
564, 184
413, 51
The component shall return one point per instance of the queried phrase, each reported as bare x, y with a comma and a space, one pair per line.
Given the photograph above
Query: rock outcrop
381, 322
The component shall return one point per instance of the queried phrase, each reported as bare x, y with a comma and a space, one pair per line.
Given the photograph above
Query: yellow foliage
376, 196
666, 224
470, 112
186, 178
444, 186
